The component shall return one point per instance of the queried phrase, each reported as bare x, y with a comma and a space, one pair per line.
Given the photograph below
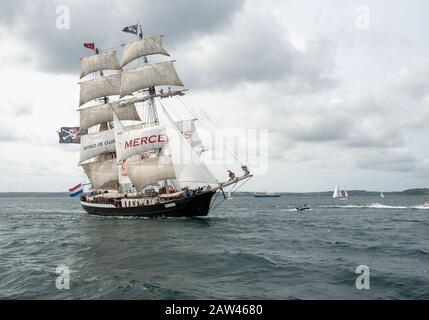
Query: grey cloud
59, 50
386, 159
255, 48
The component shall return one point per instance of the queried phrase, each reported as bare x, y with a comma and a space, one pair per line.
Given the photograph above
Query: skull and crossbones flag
69, 135
131, 29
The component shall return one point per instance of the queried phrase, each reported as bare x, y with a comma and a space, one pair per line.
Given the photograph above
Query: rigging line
213, 202
213, 207
240, 185
215, 130
194, 114
212, 132
227, 144
203, 166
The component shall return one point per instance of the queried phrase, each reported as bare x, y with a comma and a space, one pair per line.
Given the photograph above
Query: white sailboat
338, 194
381, 195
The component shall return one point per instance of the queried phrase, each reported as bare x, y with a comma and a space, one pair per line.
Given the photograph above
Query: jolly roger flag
69, 135
131, 29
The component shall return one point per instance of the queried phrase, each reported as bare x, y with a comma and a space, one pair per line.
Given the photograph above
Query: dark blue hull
195, 206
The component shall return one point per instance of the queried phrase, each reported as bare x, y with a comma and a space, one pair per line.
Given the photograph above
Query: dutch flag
76, 190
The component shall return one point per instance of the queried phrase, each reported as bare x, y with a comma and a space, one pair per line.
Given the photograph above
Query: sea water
247, 248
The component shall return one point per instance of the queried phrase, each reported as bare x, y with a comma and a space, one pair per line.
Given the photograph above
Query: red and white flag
90, 45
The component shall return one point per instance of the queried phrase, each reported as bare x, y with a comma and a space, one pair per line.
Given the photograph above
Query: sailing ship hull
194, 206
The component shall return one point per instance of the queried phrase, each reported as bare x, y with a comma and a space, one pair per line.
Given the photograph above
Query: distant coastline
408, 192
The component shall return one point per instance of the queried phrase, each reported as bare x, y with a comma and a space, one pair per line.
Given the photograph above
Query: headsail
142, 47
188, 166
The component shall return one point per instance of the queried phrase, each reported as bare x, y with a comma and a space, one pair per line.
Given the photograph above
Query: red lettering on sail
162, 138
143, 140
151, 139
136, 142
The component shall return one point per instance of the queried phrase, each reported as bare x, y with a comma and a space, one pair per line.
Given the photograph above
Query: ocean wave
375, 205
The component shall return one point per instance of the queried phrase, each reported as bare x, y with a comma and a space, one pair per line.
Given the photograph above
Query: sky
339, 89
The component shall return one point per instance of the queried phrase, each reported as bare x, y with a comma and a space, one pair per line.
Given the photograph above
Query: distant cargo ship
266, 195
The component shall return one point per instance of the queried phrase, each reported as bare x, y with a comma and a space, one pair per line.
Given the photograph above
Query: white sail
345, 193
132, 142
188, 166
146, 172
94, 144
142, 47
187, 128
337, 191
92, 116
99, 62
102, 174
149, 75
100, 87
382, 195
137, 141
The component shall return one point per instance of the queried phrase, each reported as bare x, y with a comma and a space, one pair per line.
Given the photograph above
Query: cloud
331, 96
255, 48
7, 134
395, 159
33, 22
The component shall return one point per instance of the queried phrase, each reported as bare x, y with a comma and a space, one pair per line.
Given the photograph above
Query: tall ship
138, 160
340, 194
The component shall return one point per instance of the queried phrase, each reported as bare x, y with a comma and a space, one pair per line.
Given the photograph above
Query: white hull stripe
97, 205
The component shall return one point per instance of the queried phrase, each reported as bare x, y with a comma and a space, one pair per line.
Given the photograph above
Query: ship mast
151, 115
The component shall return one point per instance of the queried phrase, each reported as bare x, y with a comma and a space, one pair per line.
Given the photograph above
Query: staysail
188, 166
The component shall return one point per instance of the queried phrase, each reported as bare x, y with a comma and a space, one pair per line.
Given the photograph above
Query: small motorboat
304, 207
425, 205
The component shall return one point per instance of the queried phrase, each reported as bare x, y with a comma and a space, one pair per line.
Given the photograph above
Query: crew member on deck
245, 170
231, 175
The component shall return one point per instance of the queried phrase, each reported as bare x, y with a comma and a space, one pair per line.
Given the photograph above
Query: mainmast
151, 115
